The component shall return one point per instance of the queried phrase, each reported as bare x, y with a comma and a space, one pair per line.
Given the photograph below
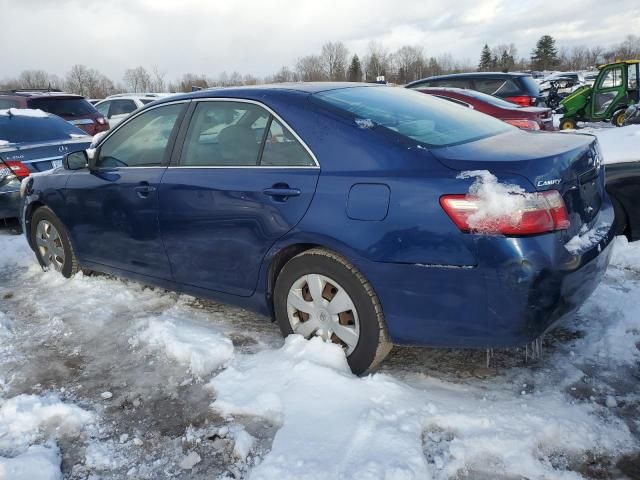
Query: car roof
38, 93
253, 90
488, 75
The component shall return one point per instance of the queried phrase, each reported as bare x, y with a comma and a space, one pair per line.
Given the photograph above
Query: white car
118, 107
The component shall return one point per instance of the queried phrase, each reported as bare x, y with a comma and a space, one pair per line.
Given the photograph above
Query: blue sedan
365, 215
31, 141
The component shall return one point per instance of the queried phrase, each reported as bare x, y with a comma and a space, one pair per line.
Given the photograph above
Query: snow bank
39, 462
497, 202
25, 112
16, 251
618, 144
202, 348
26, 419
336, 425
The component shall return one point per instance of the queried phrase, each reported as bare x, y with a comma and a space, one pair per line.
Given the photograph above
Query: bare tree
88, 82
377, 62
157, 83
409, 64
310, 69
137, 80
334, 60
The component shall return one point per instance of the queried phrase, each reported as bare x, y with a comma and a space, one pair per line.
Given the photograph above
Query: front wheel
51, 243
319, 293
618, 118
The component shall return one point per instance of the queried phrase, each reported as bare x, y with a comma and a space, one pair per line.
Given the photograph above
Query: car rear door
112, 210
241, 181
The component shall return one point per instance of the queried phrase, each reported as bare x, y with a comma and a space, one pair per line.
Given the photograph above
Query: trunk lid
569, 163
41, 156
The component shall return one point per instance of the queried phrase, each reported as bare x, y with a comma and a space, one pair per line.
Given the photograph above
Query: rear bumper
10, 201
520, 288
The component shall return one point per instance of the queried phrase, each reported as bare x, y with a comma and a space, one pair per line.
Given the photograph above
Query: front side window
612, 78
411, 114
141, 142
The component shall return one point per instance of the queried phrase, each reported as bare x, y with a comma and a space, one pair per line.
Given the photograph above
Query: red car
527, 118
73, 108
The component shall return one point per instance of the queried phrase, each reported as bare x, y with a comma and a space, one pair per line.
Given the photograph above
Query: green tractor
615, 88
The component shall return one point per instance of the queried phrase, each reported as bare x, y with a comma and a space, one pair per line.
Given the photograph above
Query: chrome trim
298, 167
82, 121
46, 159
267, 108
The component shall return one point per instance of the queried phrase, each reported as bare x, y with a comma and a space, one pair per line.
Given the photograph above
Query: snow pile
618, 144
497, 202
16, 251
200, 347
587, 238
4, 143
39, 462
336, 425
626, 255
24, 112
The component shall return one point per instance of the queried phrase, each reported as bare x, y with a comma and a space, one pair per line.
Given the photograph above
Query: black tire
373, 343
618, 118
621, 221
568, 124
70, 264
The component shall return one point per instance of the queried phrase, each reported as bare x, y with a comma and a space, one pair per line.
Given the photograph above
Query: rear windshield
530, 85
18, 129
65, 107
490, 99
423, 118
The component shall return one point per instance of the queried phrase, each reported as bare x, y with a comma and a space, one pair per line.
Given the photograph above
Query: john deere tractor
615, 88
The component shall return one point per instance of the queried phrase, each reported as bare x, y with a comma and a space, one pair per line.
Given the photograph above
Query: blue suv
366, 215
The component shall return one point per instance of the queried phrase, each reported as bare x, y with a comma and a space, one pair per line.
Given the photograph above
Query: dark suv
518, 88
73, 108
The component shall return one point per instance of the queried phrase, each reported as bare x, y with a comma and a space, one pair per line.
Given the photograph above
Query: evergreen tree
507, 62
354, 74
485, 59
545, 55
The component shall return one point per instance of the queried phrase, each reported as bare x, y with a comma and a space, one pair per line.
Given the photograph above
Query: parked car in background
574, 78
518, 88
246, 199
526, 118
623, 186
93, 101
31, 141
632, 115
118, 107
73, 108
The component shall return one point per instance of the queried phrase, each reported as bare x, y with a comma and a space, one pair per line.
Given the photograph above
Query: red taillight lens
524, 124
538, 212
523, 100
19, 169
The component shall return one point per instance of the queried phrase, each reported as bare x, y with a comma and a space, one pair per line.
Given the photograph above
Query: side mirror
76, 160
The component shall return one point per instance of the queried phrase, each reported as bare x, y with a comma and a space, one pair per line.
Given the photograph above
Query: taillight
524, 124
523, 100
16, 168
532, 213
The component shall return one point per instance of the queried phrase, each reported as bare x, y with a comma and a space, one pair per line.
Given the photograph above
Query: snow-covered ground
102, 378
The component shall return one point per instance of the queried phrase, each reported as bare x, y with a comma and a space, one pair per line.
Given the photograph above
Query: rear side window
495, 86
64, 107
103, 108
451, 83
141, 142
411, 114
122, 107
282, 149
6, 103
20, 129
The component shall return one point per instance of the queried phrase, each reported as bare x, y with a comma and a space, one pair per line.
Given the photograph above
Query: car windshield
423, 118
18, 129
65, 107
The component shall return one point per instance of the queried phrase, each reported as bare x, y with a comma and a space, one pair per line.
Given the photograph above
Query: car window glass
6, 103
141, 142
633, 79
122, 107
63, 106
103, 108
489, 86
282, 149
451, 83
224, 134
612, 78
146, 100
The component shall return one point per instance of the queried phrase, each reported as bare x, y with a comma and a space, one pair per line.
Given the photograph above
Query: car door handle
143, 191
282, 192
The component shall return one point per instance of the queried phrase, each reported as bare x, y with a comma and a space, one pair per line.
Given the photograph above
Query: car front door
241, 181
113, 208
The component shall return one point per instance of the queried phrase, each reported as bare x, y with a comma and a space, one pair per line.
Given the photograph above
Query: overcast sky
258, 37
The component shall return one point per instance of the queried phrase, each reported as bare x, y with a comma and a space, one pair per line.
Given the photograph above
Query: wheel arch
28, 213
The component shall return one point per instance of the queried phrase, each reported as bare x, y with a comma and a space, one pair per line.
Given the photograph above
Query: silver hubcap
318, 305
49, 245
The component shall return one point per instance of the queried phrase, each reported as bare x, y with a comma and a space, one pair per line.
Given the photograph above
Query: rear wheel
51, 242
568, 124
618, 118
319, 293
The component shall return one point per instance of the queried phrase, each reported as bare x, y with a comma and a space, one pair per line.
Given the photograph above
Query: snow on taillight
491, 207
524, 124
